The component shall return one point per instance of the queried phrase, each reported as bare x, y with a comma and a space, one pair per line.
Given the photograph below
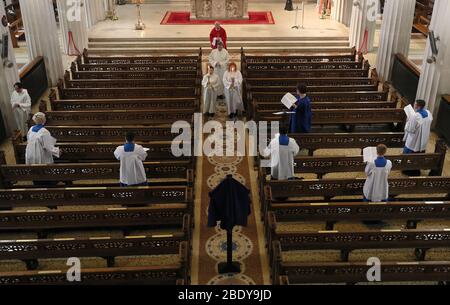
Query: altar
219, 9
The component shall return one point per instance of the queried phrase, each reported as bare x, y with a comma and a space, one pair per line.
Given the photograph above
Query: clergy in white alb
417, 129
21, 105
376, 187
282, 151
131, 157
41, 145
211, 84
232, 81
219, 59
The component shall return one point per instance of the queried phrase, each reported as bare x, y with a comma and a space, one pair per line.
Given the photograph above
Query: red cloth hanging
72, 48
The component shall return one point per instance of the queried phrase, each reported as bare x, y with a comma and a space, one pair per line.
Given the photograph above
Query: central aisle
248, 243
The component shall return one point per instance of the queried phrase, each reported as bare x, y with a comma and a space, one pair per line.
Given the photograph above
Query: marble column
42, 36
8, 77
95, 11
363, 18
395, 34
72, 18
341, 11
435, 77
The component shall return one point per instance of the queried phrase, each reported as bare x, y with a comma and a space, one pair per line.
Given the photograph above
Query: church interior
100, 73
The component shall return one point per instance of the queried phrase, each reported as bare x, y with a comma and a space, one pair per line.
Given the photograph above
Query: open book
409, 110
370, 154
146, 149
288, 100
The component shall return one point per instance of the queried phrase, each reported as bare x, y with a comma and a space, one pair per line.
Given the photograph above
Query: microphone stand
296, 26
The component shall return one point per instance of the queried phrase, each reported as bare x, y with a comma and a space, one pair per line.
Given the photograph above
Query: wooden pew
310, 82
140, 67
180, 172
420, 240
307, 66
261, 107
129, 83
170, 74
323, 165
275, 97
122, 104
350, 117
87, 59
330, 188
102, 152
105, 247
158, 275
97, 196
319, 88
126, 219
351, 273
108, 134
307, 73
118, 117
120, 93
331, 213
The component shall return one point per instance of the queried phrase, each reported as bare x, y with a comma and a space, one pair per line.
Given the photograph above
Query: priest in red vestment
218, 34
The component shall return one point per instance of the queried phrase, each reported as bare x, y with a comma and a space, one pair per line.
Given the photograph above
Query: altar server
376, 187
232, 81
131, 157
218, 34
211, 84
219, 59
282, 151
41, 145
21, 105
417, 129
301, 120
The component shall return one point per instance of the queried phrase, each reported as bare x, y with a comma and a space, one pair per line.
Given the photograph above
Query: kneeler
229, 204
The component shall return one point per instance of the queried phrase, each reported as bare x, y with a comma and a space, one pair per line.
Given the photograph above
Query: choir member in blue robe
376, 187
301, 120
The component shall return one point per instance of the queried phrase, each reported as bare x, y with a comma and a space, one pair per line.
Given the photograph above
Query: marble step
230, 39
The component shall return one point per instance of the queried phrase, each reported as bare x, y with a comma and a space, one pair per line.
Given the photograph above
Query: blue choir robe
417, 132
282, 151
301, 120
376, 187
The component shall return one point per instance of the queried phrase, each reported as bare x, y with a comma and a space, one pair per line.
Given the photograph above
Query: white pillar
95, 11
42, 36
8, 77
364, 14
341, 11
435, 77
395, 34
73, 19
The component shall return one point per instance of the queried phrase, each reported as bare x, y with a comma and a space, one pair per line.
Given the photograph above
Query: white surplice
417, 132
132, 170
21, 113
282, 158
376, 187
219, 60
40, 147
211, 84
233, 91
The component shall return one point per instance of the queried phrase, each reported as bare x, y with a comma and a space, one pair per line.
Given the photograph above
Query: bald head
217, 25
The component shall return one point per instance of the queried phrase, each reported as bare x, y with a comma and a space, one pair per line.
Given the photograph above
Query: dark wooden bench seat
118, 117
96, 196
123, 104
307, 73
306, 66
140, 67
332, 212
312, 89
31, 251
290, 273
360, 96
274, 107
69, 173
310, 82
133, 75
103, 152
158, 275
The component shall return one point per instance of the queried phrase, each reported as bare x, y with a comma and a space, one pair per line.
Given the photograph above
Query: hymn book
289, 100
409, 110
370, 154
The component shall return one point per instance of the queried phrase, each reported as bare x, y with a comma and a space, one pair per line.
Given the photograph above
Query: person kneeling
131, 157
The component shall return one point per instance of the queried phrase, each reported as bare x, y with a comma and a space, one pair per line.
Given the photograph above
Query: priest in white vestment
211, 84
219, 59
376, 187
282, 151
232, 81
21, 105
41, 145
131, 157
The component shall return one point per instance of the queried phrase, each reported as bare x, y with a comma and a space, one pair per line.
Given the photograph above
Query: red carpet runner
172, 18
